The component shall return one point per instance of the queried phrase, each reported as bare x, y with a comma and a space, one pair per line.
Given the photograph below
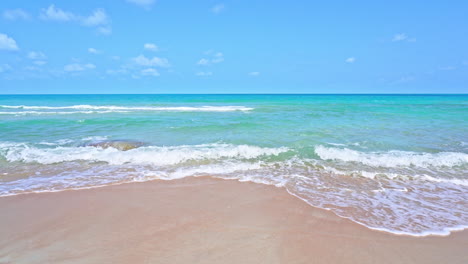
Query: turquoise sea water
397, 163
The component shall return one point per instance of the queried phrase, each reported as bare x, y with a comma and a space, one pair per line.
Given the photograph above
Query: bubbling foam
152, 155
388, 200
393, 158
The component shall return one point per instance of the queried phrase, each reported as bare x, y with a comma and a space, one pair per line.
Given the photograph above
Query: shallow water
397, 163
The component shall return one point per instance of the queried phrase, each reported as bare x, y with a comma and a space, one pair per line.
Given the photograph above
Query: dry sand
199, 220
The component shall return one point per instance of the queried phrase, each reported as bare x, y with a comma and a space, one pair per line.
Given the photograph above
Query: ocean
396, 163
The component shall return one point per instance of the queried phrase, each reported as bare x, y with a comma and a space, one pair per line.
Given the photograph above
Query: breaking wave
393, 158
394, 199
153, 155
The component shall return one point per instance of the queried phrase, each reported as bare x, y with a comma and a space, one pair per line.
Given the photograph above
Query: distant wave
228, 108
394, 158
60, 113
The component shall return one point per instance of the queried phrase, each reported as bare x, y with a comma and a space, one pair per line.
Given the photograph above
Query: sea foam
154, 155
393, 158
112, 108
413, 204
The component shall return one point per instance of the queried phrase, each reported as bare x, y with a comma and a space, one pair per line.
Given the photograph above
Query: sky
255, 46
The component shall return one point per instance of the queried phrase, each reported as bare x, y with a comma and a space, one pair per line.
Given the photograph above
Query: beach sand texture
199, 220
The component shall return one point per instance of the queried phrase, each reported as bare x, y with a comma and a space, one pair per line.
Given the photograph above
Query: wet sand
199, 220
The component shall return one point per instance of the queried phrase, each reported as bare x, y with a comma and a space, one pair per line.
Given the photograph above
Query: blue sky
148, 46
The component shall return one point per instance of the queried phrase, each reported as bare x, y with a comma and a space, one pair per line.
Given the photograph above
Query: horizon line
236, 94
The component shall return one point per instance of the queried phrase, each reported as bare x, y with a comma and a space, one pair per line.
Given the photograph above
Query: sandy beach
199, 220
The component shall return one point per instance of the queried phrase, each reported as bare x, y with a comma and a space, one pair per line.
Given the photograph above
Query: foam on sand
222, 221
392, 199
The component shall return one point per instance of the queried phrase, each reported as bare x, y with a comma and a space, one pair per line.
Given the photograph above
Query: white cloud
201, 73
402, 37
203, 62
36, 55
56, 14
76, 67
151, 47
142, 3
5, 67
254, 73
40, 62
216, 57
118, 71
350, 60
399, 37
97, 19
93, 51
104, 30
7, 43
155, 61
150, 72
16, 14
217, 8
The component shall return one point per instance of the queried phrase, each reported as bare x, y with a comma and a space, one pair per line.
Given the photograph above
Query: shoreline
200, 219
446, 232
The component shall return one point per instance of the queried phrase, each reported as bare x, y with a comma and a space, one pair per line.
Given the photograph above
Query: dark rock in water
123, 145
